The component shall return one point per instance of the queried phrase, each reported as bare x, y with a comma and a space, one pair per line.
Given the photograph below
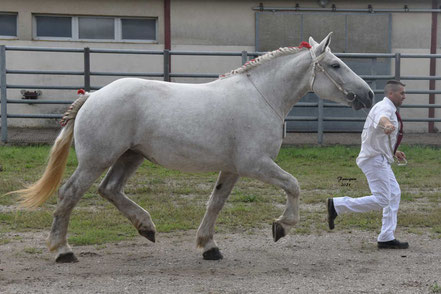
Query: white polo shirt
373, 139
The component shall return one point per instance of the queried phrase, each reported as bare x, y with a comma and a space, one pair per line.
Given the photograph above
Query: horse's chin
356, 105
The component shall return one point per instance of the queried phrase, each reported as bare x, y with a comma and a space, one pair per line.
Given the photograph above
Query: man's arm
386, 124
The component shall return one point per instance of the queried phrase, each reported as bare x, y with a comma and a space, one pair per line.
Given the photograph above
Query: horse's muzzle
360, 101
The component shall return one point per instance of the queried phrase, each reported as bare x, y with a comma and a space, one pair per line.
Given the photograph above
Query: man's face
397, 97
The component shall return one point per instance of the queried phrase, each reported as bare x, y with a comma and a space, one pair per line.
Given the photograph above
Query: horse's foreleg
269, 172
221, 191
111, 189
69, 195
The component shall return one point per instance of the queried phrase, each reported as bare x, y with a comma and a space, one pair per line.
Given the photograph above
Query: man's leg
389, 221
377, 173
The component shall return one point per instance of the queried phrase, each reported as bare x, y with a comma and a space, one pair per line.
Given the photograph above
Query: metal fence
87, 73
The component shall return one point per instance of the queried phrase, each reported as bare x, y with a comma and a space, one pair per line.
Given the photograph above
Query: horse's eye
335, 65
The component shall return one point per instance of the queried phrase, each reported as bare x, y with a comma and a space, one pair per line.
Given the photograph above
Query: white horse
232, 125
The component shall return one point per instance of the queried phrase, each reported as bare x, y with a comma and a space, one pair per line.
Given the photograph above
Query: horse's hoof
150, 235
212, 254
278, 231
66, 258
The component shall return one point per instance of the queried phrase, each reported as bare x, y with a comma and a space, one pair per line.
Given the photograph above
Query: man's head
394, 90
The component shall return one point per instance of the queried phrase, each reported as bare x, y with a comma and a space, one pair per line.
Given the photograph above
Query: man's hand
400, 155
387, 125
389, 128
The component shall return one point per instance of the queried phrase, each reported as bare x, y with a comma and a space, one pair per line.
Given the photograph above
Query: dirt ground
333, 262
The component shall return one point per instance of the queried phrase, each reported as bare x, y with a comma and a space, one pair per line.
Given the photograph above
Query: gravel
332, 262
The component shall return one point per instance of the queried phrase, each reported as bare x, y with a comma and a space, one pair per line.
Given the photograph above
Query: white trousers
386, 195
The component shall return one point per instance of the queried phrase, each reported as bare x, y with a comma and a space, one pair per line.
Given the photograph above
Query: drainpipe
433, 42
167, 31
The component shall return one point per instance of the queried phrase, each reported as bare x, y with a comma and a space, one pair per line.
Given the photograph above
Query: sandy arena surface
333, 262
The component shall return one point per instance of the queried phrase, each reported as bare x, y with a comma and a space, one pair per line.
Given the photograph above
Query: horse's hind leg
68, 196
269, 172
111, 188
221, 191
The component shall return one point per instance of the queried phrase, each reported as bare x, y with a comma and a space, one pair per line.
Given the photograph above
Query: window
54, 26
95, 28
8, 25
138, 29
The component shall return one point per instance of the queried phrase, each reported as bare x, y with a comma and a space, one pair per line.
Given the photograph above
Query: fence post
244, 57
87, 69
397, 66
167, 65
320, 121
4, 101
374, 82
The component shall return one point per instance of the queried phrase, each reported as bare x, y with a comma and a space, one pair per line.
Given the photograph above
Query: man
381, 136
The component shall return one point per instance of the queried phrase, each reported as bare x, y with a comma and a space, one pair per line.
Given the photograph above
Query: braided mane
266, 57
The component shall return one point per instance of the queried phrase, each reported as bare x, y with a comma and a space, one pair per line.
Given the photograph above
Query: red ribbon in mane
305, 45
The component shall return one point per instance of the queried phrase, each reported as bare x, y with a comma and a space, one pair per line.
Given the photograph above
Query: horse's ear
323, 45
312, 42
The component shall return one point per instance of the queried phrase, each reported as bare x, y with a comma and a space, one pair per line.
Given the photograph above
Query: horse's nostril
371, 95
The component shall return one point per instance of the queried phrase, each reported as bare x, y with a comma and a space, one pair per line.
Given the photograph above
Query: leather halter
316, 65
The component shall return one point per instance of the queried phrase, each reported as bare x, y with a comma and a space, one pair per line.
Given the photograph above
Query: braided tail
39, 192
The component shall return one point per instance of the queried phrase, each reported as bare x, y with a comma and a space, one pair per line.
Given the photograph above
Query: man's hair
393, 86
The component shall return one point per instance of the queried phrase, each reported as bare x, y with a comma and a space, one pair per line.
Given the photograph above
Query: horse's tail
39, 192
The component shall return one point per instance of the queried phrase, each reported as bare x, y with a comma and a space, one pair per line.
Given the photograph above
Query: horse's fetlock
53, 245
201, 241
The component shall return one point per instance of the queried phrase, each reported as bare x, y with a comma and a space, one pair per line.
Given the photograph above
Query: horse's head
332, 79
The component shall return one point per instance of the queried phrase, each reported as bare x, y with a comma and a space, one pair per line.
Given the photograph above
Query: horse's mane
266, 57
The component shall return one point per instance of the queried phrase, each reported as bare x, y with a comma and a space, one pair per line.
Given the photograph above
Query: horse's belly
187, 157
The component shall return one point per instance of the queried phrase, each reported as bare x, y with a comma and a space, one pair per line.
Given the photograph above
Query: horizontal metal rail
34, 115
43, 87
126, 74
301, 118
44, 72
360, 119
186, 75
206, 53
413, 91
127, 51
44, 49
36, 101
335, 9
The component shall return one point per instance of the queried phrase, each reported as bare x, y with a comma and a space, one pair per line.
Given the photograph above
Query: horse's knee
293, 187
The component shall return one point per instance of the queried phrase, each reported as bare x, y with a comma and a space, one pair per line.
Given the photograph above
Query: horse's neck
283, 81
